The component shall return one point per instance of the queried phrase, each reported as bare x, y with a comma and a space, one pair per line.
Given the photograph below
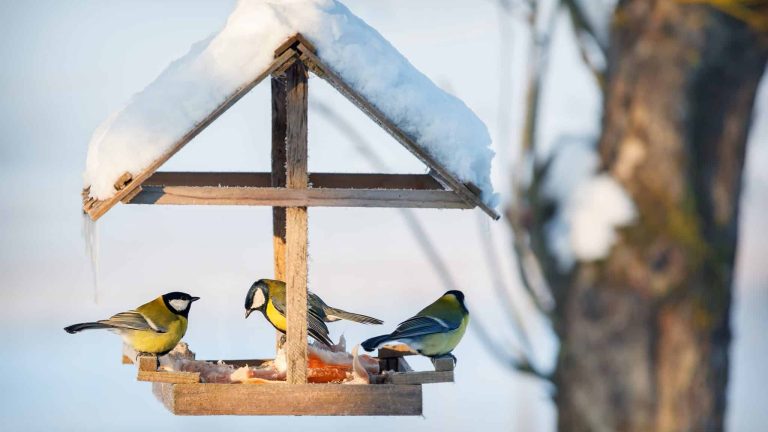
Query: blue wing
423, 325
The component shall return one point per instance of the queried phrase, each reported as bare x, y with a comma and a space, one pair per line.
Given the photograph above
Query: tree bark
645, 333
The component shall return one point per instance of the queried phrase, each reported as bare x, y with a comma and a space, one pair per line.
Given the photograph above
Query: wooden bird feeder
289, 189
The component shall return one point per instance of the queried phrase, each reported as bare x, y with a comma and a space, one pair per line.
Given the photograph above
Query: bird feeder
290, 190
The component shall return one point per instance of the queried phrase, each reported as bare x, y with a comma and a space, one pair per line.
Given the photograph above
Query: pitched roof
436, 127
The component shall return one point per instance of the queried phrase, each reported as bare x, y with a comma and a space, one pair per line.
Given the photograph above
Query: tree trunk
645, 333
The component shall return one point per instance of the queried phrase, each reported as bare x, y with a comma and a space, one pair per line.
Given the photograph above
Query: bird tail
375, 342
86, 326
337, 314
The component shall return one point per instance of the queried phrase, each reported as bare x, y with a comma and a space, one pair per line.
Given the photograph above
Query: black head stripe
176, 295
259, 284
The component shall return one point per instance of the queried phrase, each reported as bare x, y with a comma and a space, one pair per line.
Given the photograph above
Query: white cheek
258, 300
179, 305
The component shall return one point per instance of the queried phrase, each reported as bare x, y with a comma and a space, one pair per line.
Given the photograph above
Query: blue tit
268, 297
154, 328
434, 331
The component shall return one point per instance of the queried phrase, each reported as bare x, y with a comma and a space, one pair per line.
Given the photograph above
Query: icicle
90, 235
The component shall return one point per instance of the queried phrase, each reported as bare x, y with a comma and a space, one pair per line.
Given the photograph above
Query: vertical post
296, 224
278, 177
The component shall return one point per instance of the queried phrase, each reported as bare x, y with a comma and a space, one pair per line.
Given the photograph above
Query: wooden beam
298, 399
316, 180
328, 74
97, 209
288, 197
277, 176
418, 378
293, 42
147, 371
296, 225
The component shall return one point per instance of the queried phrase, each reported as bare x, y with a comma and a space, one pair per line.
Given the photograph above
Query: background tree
645, 330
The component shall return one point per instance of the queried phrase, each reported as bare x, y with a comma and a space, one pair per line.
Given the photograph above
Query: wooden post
278, 179
296, 224
278, 170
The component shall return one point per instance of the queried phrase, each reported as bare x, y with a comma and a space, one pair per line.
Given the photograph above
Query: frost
590, 207
192, 86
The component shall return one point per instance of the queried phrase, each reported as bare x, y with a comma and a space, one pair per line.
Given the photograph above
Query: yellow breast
152, 342
275, 317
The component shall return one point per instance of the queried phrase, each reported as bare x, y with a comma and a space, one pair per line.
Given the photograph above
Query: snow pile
192, 86
590, 207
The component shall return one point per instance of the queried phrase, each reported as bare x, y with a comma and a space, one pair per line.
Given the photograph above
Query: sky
68, 65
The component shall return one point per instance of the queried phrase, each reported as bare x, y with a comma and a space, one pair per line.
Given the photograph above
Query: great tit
268, 297
154, 328
434, 331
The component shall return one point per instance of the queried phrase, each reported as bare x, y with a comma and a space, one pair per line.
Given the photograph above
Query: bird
268, 297
152, 328
434, 331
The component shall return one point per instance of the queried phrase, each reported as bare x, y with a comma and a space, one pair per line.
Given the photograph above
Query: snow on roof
194, 85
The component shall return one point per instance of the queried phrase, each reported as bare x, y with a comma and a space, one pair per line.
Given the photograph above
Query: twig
583, 30
494, 269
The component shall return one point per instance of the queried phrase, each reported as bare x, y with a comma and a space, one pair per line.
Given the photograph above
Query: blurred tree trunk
645, 333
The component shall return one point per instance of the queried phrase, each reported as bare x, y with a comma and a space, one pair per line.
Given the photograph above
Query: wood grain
147, 371
297, 399
285, 197
316, 180
296, 225
277, 176
418, 378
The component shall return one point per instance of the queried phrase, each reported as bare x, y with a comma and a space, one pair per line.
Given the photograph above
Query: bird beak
194, 299
248, 313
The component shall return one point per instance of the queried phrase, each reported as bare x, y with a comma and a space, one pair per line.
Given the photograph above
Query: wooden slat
286, 197
296, 225
147, 371
297, 399
169, 377
277, 176
293, 42
403, 366
277, 179
316, 180
96, 210
442, 364
395, 351
379, 118
417, 378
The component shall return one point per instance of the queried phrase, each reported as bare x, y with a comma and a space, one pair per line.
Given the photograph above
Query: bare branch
502, 294
581, 23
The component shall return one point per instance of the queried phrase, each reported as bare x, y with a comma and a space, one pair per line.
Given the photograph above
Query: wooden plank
293, 42
277, 179
418, 378
297, 399
442, 364
277, 176
169, 377
402, 365
147, 371
379, 118
97, 209
395, 351
286, 197
296, 225
316, 180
